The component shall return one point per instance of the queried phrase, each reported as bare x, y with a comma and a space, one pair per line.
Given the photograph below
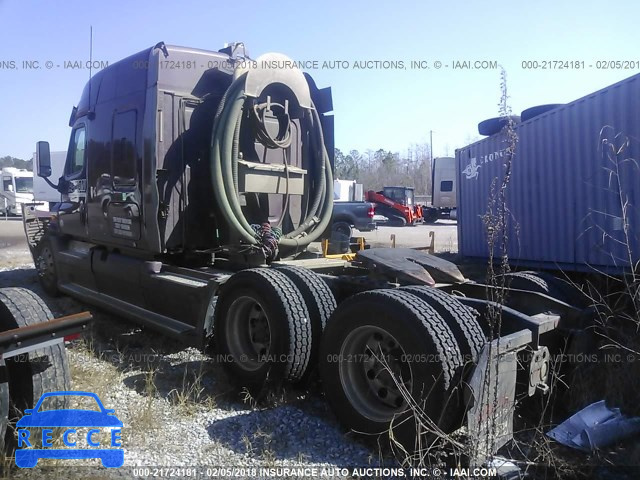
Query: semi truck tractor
443, 190
188, 200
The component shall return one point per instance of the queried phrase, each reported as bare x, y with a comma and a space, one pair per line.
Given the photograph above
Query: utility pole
431, 159
431, 144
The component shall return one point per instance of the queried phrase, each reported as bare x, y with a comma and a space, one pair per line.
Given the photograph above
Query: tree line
378, 168
373, 168
8, 161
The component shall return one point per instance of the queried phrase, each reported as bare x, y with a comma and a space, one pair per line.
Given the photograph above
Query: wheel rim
248, 333
46, 265
370, 359
343, 230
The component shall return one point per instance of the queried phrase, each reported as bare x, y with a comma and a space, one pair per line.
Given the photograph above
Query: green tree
347, 167
8, 161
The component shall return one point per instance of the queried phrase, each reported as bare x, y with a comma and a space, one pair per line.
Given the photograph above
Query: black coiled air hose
224, 162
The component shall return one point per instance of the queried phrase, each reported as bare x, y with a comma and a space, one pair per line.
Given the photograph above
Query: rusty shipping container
573, 200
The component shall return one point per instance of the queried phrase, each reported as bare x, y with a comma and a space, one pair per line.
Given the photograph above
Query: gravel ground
445, 236
176, 405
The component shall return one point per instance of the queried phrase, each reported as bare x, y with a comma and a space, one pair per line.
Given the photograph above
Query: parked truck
16, 189
443, 190
187, 202
348, 215
350, 210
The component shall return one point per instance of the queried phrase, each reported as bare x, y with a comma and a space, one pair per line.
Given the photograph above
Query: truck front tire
44, 261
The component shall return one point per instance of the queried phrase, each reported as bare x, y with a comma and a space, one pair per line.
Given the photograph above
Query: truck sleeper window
446, 186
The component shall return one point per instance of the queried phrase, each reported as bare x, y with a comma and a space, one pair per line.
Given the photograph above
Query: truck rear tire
262, 330
463, 323
44, 261
419, 348
320, 303
39, 371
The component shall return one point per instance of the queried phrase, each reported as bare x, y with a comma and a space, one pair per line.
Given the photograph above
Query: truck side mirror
43, 160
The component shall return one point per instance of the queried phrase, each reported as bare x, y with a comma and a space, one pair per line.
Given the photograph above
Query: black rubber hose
224, 158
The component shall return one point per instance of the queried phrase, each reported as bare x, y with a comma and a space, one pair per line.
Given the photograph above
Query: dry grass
192, 397
609, 348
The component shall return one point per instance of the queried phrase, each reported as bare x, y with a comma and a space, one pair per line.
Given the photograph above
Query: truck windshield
24, 185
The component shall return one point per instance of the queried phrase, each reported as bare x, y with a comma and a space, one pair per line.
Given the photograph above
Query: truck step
167, 325
180, 279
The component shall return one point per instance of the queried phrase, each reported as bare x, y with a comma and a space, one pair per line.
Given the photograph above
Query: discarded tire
320, 303
342, 228
460, 318
492, 126
340, 238
39, 371
387, 359
262, 330
529, 113
547, 284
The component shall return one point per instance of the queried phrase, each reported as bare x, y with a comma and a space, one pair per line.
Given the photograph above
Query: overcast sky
374, 108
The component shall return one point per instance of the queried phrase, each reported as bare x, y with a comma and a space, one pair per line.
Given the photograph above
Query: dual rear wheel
391, 361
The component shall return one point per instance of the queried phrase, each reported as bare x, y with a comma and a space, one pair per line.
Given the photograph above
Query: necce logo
69, 420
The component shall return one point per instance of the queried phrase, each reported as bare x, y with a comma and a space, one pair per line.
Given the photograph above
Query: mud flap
491, 396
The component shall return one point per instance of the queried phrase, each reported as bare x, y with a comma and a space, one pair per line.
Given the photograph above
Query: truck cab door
72, 214
121, 203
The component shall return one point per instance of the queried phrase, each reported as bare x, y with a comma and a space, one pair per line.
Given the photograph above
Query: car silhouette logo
69, 420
